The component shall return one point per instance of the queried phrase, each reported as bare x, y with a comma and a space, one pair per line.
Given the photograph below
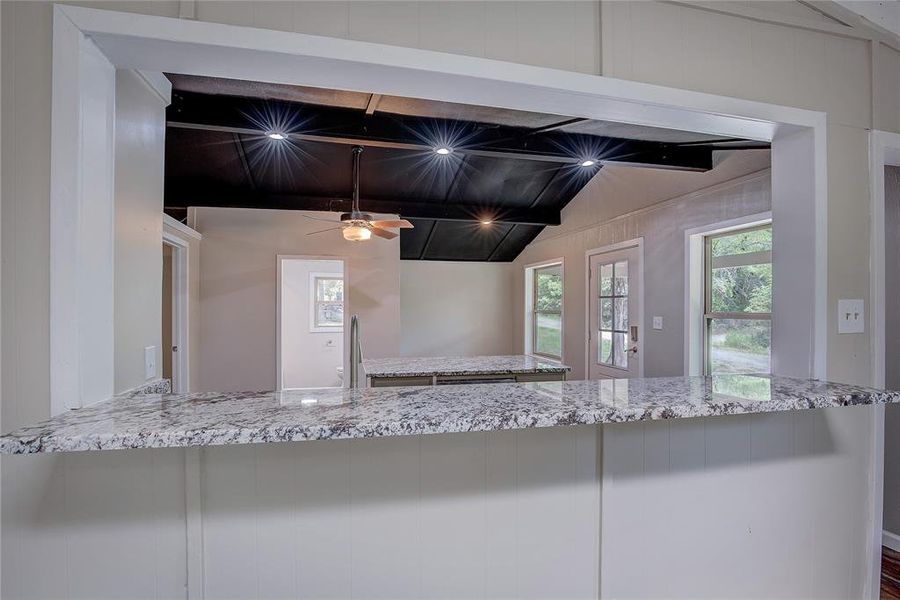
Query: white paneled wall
95, 525
563, 35
742, 506
501, 514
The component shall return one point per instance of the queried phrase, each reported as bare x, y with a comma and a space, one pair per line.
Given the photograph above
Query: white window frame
695, 285
708, 313
530, 329
314, 301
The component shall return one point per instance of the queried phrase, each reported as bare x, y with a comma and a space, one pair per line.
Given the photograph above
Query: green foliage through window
739, 305
548, 298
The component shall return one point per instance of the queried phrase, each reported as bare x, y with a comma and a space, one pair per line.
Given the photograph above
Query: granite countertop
438, 366
208, 419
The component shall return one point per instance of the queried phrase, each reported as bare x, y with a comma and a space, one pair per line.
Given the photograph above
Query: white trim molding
884, 151
890, 540
694, 284
181, 309
160, 85
183, 230
82, 209
528, 330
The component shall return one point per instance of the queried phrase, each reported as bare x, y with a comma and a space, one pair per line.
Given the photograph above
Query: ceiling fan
356, 225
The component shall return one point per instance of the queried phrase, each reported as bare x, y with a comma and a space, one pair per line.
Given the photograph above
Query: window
328, 303
738, 301
613, 335
546, 322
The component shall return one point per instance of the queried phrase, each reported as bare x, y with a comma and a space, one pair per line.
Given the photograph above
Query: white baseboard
891, 540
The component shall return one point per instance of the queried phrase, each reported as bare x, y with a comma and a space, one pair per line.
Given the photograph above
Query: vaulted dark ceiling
515, 169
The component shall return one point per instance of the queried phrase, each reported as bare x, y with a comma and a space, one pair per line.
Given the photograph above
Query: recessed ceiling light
588, 163
443, 150
274, 135
487, 221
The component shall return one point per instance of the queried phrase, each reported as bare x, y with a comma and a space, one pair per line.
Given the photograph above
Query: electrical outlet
657, 322
150, 362
851, 316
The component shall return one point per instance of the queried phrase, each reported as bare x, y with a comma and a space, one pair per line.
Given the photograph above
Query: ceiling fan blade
312, 218
383, 233
401, 223
324, 230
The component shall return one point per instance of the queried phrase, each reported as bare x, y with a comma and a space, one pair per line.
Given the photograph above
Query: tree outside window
547, 314
738, 303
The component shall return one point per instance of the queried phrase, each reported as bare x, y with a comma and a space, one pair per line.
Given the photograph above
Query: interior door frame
626, 245
280, 258
181, 363
884, 152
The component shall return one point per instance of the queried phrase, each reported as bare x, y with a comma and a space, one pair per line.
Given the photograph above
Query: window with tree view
738, 305
547, 312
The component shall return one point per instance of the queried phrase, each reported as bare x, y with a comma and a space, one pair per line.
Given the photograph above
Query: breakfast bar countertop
209, 419
440, 366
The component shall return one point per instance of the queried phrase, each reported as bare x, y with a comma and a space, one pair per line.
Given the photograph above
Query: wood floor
890, 574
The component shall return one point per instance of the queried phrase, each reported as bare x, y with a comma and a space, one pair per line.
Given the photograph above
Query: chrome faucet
355, 352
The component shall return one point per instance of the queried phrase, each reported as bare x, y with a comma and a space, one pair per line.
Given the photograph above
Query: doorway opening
175, 298
311, 322
615, 290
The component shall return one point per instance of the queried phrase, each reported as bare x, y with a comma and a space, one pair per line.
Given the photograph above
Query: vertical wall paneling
81, 221
444, 516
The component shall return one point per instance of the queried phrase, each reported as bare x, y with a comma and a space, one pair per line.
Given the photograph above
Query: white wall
587, 224
736, 507
238, 290
455, 308
140, 148
308, 358
508, 514
892, 348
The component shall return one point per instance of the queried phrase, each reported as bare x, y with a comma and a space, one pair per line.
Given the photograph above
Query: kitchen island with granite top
448, 370
543, 489
212, 419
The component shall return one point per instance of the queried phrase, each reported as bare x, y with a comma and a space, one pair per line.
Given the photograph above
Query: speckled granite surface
157, 386
206, 419
459, 365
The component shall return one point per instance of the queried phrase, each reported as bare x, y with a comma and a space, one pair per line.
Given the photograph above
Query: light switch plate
150, 362
851, 316
657, 322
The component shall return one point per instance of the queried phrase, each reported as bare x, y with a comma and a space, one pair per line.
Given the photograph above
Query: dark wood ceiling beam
372, 104
248, 116
413, 209
374, 143
242, 154
500, 244
428, 239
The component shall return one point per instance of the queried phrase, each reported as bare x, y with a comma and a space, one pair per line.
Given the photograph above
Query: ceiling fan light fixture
356, 233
